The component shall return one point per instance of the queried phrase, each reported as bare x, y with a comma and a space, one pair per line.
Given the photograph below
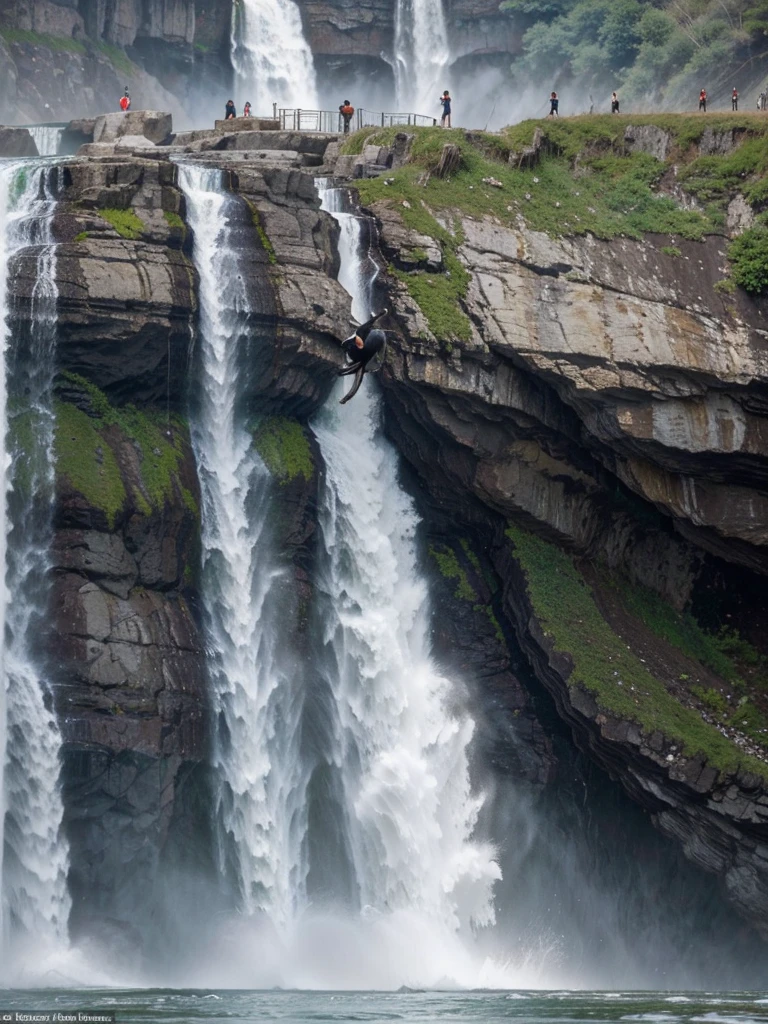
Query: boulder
647, 138
17, 142
155, 125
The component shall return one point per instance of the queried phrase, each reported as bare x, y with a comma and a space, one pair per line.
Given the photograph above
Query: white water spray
272, 59
256, 683
422, 55
47, 139
34, 903
401, 732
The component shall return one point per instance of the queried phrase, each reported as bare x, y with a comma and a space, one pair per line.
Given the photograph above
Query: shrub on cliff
749, 259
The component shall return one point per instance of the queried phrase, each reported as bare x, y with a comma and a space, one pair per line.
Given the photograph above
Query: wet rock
154, 125
16, 142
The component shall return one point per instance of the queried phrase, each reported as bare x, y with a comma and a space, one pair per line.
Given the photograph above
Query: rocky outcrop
132, 686
16, 142
606, 395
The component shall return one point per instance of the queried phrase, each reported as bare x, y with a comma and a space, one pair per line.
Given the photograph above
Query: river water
154, 1006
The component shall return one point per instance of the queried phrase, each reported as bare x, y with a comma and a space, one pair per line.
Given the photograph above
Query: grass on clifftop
283, 445
585, 182
91, 446
603, 664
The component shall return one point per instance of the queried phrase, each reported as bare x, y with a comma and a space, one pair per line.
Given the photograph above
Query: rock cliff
576, 383
580, 389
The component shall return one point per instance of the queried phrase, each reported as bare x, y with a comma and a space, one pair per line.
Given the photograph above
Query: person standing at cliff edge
347, 112
125, 102
445, 120
614, 103
703, 100
735, 99
554, 105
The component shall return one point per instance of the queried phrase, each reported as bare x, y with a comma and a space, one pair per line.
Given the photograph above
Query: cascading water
421, 54
35, 903
245, 590
272, 59
47, 138
398, 735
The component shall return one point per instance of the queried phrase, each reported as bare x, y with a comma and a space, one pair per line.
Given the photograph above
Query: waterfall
400, 732
421, 54
272, 59
47, 138
244, 586
34, 902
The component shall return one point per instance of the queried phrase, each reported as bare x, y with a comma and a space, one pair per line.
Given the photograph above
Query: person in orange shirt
347, 112
125, 102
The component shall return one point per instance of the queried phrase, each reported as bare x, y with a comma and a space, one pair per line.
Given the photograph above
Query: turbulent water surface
156, 1006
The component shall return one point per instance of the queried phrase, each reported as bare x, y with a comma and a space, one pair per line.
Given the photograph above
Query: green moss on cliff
87, 460
108, 437
283, 445
264, 238
125, 222
749, 258
57, 44
448, 566
566, 608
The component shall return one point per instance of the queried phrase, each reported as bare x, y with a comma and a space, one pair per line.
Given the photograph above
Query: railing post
298, 113
274, 111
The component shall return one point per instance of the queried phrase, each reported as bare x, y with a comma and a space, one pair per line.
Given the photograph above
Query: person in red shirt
703, 100
347, 111
125, 102
735, 99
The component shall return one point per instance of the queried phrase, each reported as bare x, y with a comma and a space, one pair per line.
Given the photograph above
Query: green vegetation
283, 445
724, 653
266, 244
602, 663
57, 44
749, 259
671, 250
174, 220
90, 449
654, 51
712, 698
449, 567
87, 461
125, 222
118, 58
80, 236
610, 193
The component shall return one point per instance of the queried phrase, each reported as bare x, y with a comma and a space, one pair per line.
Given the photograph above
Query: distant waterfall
256, 686
272, 59
400, 732
34, 853
421, 55
47, 139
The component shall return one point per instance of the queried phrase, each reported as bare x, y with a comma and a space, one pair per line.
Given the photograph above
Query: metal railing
300, 120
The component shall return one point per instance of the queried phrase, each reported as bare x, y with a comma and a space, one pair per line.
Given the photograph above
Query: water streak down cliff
34, 902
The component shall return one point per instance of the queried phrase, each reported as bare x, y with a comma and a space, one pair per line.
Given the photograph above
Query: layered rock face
582, 421
605, 395
132, 687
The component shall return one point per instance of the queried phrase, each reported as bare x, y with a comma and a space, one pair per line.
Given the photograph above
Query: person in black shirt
230, 110
367, 341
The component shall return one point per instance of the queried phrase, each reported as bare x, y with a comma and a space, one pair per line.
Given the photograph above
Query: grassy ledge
587, 181
283, 445
125, 222
90, 442
603, 664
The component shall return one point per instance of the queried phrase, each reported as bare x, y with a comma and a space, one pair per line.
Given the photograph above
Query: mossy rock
91, 439
602, 663
283, 445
